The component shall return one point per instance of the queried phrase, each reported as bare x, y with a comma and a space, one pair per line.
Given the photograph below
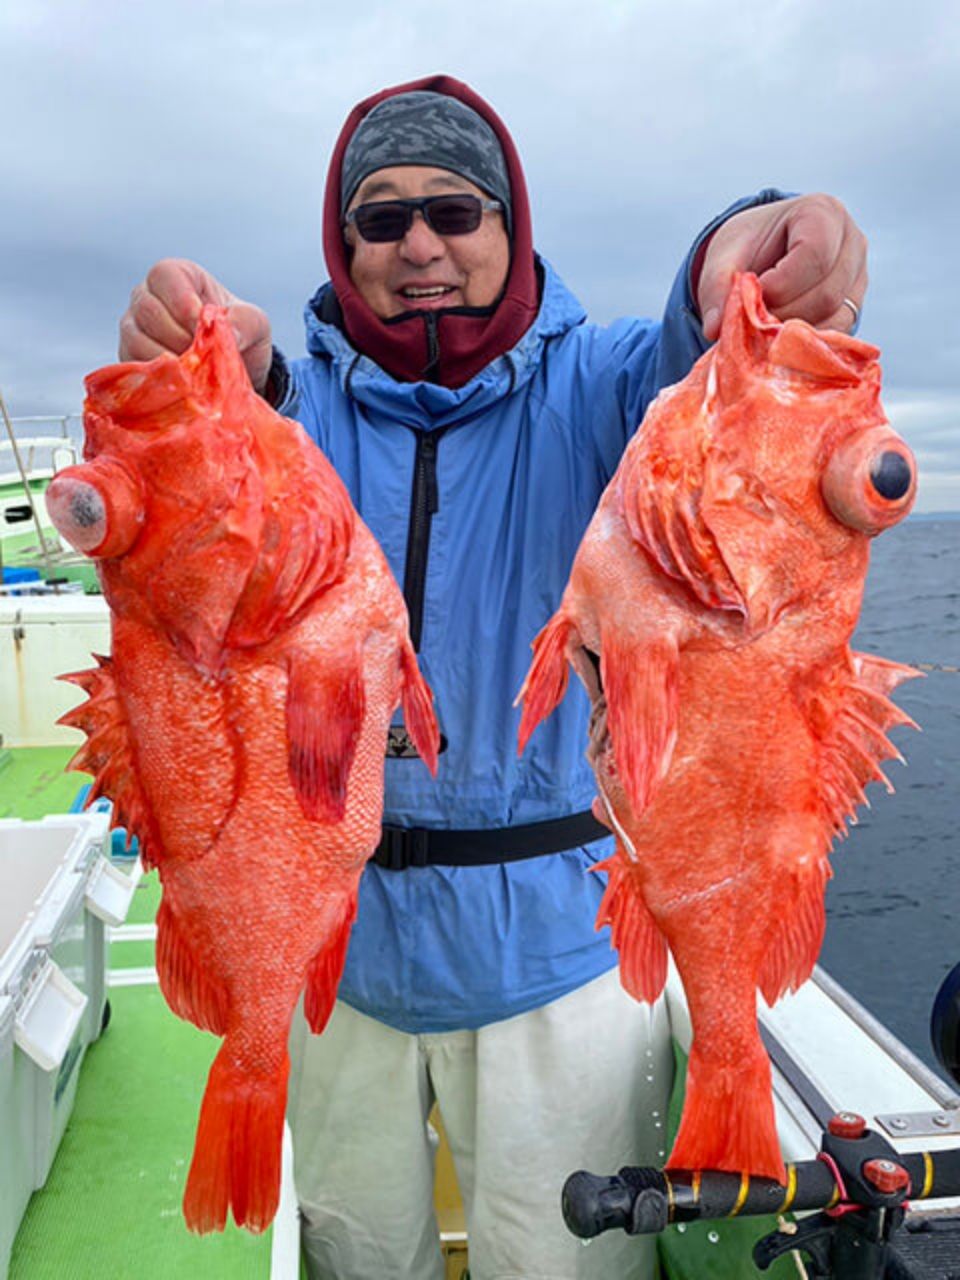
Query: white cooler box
57, 892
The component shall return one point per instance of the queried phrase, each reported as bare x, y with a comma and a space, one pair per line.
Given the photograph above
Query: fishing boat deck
111, 1204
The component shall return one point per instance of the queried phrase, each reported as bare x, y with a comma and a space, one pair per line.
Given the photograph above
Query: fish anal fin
797, 933
546, 681
187, 986
418, 713
640, 682
236, 1157
325, 709
323, 974
635, 934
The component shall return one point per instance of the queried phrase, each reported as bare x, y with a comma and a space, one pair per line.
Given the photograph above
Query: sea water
893, 906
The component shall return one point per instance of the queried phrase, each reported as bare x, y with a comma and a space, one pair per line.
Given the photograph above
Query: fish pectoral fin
325, 710
640, 679
633, 931
323, 975
546, 681
418, 713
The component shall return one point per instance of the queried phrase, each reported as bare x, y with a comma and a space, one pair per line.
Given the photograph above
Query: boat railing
39, 446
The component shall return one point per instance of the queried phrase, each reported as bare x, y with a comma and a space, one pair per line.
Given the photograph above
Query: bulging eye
98, 507
870, 481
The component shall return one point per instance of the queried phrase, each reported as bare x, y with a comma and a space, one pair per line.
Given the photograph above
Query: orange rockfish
259, 649
709, 613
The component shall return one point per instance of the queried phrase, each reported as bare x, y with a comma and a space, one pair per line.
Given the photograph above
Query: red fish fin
323, 975
325, 709
728, 1119
633, 931
187, 987
640, 684
546, 681
418, 711
108, 755
797, 933
850, 718
236, 1158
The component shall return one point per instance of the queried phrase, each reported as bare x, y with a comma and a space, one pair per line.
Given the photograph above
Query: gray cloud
203, 130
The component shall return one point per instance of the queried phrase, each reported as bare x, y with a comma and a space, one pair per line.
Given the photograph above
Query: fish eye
891, 475
869, 482
97, 506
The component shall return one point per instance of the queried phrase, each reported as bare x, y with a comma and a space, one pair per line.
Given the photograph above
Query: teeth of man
425, 293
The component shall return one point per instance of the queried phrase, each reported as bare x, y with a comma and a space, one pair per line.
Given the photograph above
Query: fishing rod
860, 1184
858, 1188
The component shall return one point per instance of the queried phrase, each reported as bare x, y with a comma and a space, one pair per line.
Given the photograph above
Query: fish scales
708, 614
259, 647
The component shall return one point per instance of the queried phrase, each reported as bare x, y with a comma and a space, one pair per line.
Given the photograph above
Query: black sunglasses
384, 220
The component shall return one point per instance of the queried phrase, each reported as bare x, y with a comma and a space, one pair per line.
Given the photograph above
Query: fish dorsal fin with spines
108, 755
850, 717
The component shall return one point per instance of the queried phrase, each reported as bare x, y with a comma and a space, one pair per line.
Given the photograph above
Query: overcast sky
134, 131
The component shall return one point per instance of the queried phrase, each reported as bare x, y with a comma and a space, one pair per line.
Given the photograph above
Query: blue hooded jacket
522, 453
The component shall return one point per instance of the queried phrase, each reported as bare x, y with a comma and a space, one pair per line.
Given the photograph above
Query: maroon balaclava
467, 338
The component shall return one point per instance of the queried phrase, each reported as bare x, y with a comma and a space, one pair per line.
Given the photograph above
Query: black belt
402, 847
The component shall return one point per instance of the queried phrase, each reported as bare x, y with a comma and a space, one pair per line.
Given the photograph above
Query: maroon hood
468, 338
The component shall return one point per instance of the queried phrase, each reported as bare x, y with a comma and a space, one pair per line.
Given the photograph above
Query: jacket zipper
425, 502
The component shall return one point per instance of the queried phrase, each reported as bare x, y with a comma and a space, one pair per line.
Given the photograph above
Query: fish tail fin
546, 681
728, 1119
323, 975
236, 1159
418, 713
634, 932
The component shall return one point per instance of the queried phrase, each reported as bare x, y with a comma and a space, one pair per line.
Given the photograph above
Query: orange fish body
259, 649
709, 612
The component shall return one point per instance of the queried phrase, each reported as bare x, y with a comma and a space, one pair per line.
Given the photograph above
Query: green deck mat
111, 1206
146, 900
33, 782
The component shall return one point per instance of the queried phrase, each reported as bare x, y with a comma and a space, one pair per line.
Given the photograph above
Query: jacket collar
426, 404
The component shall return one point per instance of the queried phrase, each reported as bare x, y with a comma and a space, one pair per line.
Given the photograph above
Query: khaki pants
581, 1083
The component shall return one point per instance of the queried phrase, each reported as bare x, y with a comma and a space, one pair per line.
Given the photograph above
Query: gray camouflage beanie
426, 128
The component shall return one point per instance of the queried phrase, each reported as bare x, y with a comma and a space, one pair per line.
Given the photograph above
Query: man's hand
164, 311
808, 253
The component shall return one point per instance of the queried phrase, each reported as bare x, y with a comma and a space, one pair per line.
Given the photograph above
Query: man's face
425, 271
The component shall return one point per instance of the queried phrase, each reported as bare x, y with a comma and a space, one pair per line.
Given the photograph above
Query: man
476, 418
